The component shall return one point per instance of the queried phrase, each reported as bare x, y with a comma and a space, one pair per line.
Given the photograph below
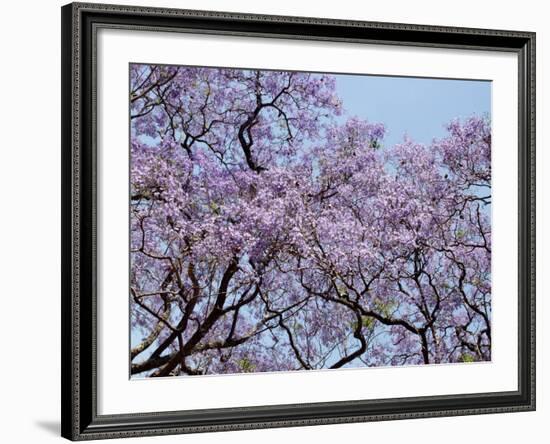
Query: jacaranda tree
271, 232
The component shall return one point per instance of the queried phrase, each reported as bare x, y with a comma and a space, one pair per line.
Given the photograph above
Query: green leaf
467, 357
246, 365
368, 322
342, 291
215, 207
386, 309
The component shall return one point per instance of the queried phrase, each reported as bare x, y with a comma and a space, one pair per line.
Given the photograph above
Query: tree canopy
270, 231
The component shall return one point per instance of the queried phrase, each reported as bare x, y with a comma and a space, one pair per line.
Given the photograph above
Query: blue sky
419, 107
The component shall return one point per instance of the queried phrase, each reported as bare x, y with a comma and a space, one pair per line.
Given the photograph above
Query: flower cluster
270, 233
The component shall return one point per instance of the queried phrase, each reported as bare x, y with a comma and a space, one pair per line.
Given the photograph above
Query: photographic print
284, 220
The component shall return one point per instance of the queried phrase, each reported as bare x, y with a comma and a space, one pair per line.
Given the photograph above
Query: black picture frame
80, 420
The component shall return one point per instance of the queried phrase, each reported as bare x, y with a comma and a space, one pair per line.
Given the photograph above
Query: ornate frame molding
80, 22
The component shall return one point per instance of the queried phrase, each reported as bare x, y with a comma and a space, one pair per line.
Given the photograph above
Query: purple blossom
269, 234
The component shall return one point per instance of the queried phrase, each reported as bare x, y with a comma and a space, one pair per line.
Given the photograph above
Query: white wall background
30, 220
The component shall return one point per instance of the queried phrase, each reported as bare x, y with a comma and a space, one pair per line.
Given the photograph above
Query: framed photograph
280, 221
